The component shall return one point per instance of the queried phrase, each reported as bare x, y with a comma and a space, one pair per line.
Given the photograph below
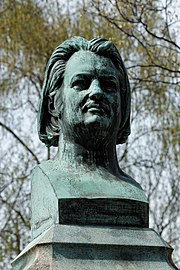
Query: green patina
85, 111
86, 212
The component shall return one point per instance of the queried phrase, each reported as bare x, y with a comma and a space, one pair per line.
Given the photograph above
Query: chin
97, 122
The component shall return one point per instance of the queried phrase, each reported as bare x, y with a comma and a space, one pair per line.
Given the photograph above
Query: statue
86, 212
85, 111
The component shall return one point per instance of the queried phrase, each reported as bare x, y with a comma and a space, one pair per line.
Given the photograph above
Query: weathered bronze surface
85, 111
86, 212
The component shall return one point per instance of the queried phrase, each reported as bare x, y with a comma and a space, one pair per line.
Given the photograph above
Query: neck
76, 155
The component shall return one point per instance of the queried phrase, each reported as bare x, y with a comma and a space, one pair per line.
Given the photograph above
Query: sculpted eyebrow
81, 76
109, 77
89, 76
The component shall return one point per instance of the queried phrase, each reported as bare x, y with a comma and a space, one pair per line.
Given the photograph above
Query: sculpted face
91, 98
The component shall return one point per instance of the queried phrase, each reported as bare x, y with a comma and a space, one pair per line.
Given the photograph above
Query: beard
92, 131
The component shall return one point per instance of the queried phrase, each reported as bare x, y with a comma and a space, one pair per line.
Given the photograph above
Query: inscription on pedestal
112, 212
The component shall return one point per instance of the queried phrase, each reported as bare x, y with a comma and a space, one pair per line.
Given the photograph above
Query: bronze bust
85, 111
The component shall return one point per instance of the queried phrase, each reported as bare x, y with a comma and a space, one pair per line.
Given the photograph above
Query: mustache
100, 105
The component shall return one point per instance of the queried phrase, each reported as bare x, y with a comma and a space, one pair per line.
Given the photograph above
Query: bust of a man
85, 112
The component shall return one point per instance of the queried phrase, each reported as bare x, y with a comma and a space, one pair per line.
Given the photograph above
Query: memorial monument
86, 213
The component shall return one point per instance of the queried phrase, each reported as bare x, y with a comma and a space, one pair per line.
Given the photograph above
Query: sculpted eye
109, 86
81, 84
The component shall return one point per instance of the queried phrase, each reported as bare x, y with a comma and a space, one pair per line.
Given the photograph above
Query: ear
55, 106
56, 103
49, 126
52, 106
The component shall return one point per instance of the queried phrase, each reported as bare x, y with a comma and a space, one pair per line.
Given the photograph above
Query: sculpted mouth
94, 108
96, 111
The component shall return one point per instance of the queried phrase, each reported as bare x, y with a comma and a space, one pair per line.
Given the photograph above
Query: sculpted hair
48, 118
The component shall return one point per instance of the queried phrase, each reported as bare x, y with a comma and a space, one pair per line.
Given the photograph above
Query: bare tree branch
20, 141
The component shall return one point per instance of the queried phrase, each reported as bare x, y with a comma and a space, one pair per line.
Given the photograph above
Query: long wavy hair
48, 119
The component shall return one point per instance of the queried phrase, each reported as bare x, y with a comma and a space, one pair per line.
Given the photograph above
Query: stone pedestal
75, 227
72, 247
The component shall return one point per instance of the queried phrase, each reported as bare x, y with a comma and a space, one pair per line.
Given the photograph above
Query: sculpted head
85, 93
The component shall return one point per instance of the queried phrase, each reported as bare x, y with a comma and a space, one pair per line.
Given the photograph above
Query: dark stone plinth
101, 211
82, 247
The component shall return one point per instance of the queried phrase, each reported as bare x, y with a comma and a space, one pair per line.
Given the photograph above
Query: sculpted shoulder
69, 182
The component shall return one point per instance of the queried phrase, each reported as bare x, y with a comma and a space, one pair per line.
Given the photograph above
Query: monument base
94, 247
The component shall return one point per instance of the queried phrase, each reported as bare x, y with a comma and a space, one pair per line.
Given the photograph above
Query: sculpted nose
96, 91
